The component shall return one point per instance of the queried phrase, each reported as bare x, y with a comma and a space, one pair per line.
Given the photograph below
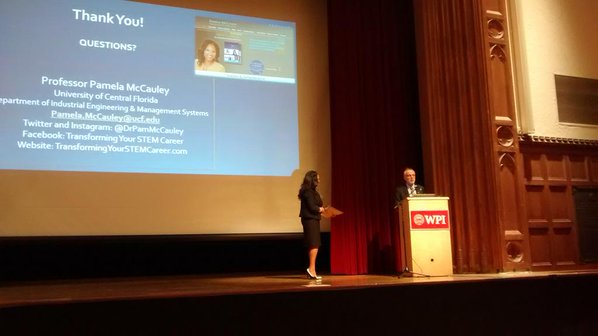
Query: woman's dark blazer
310, 204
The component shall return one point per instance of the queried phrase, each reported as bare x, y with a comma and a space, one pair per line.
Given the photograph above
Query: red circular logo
418, 219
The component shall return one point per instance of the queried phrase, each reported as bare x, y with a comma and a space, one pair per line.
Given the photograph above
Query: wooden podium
426, 235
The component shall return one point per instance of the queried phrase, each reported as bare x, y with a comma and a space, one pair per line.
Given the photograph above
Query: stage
503, 303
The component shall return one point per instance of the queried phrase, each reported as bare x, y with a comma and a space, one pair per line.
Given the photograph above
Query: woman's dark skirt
311, 232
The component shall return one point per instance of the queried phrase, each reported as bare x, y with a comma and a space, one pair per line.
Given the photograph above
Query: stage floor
56, 292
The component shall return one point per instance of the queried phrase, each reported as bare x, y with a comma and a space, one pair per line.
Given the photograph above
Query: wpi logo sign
438, 219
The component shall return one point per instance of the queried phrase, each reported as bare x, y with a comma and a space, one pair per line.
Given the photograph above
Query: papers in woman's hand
331, 211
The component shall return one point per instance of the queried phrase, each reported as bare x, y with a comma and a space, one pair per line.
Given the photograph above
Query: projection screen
130, 118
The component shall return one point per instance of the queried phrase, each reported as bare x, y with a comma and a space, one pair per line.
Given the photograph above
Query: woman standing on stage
310, 213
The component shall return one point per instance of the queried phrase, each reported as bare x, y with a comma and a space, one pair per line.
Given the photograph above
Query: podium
426, 235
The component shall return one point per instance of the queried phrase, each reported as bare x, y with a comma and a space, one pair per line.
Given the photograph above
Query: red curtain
375, 128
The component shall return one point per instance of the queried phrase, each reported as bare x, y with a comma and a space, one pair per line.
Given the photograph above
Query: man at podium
424, 230
409, 188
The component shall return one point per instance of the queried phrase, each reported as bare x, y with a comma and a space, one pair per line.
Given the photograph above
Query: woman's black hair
310, 181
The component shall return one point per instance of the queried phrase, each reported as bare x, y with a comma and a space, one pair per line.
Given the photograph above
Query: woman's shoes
311, 277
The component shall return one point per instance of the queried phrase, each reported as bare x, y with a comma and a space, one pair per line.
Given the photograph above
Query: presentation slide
175, 117
119, 86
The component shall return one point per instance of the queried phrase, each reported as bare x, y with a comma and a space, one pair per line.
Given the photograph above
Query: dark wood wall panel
535, 204
593, 168
553, 169
560, 203
563, 225
533, 167
540, 247
509, 204
586, 211
500, 83
579, 168
563, 239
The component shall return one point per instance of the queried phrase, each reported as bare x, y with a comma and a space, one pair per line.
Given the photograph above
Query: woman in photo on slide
208, 57
310, 213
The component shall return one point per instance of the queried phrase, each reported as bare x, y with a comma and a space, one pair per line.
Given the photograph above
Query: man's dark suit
402, 192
